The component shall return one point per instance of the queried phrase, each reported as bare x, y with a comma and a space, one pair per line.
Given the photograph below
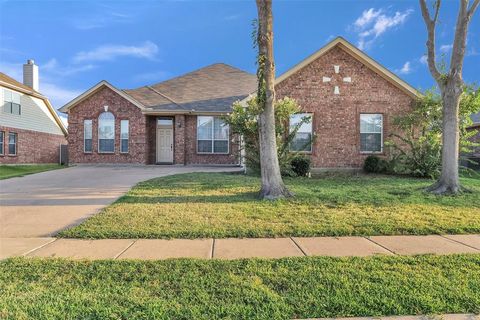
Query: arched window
106, 132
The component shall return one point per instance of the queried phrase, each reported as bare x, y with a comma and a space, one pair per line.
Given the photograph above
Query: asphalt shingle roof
213, 89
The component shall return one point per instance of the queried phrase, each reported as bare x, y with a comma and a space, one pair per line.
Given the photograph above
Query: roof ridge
196, 70
164, 95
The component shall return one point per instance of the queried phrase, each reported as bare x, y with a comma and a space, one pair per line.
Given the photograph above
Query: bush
374, 164
417, 147
301, 166
243, 121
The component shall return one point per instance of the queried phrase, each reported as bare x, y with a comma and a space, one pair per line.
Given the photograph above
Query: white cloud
446, 48
406, 69
100, 20
57, 95
367, 17
373, 23
423, 59
52, 66
148, 50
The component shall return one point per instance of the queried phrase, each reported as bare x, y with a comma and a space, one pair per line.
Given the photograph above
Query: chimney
30, 74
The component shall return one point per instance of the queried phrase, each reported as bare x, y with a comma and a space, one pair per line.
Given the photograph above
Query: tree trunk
448, 183
272, 183
451, 86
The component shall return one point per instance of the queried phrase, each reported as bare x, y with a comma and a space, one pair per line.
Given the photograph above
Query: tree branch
472, 9
431, 37
459, 43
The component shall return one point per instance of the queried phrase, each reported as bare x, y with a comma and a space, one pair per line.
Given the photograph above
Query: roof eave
184, 112
66, 108
38, 95
359, 55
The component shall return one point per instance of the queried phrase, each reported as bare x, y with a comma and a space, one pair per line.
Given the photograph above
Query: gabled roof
359, 55
210, 89
94, 89
13, 84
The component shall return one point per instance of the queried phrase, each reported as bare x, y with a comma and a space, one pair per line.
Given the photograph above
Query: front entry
164, 142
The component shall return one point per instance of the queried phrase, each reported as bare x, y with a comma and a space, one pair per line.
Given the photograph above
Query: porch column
179, 156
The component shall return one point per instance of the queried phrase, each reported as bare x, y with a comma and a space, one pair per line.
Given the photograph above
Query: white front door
164, 145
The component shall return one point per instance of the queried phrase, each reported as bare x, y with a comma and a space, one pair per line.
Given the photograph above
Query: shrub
243, 121
301, 165
417, 147
374, 164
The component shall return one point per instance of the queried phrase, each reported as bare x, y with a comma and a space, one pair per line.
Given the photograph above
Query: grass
225, 205
239, 289
10, 171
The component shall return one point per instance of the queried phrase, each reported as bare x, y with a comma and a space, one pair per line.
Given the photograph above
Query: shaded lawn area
288, 288
11, 171
225, 205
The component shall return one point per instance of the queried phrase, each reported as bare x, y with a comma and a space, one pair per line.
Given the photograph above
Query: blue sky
78, 43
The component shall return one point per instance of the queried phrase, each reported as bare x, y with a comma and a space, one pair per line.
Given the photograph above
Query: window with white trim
212, 135
302, 141
124, 136
11, 102
2, 137
87, 136
371, 133
12, 143
106, 132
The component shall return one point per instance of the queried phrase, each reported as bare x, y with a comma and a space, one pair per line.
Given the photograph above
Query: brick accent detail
192, 157
32, 147
336, 119
91, 108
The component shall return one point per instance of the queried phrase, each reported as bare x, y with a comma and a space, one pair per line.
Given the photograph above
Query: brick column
179, 131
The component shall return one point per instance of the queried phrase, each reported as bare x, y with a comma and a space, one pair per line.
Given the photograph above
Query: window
371, 133
12, 143
303, 138
124, 136
87, 136
165, 122
106, 132
2, 137
212, 135
11, 102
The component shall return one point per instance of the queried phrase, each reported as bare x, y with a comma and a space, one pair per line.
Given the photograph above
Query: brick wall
121, 108
32, 147
336, 119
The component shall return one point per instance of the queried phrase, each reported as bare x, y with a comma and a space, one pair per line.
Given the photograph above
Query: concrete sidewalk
153, 249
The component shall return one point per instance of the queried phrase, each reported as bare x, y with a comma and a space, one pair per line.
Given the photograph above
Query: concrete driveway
42, 204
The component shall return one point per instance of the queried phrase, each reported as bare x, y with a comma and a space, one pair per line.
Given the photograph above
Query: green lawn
239, 289
11, 171
225, 205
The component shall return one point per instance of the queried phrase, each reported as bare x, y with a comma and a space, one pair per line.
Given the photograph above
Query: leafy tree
418, 149
244, 121
451, 85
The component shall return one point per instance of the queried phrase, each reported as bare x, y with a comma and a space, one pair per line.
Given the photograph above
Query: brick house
30, 129
350, 98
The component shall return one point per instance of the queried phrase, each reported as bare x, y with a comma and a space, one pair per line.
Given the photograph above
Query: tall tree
272, 183
451, 88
